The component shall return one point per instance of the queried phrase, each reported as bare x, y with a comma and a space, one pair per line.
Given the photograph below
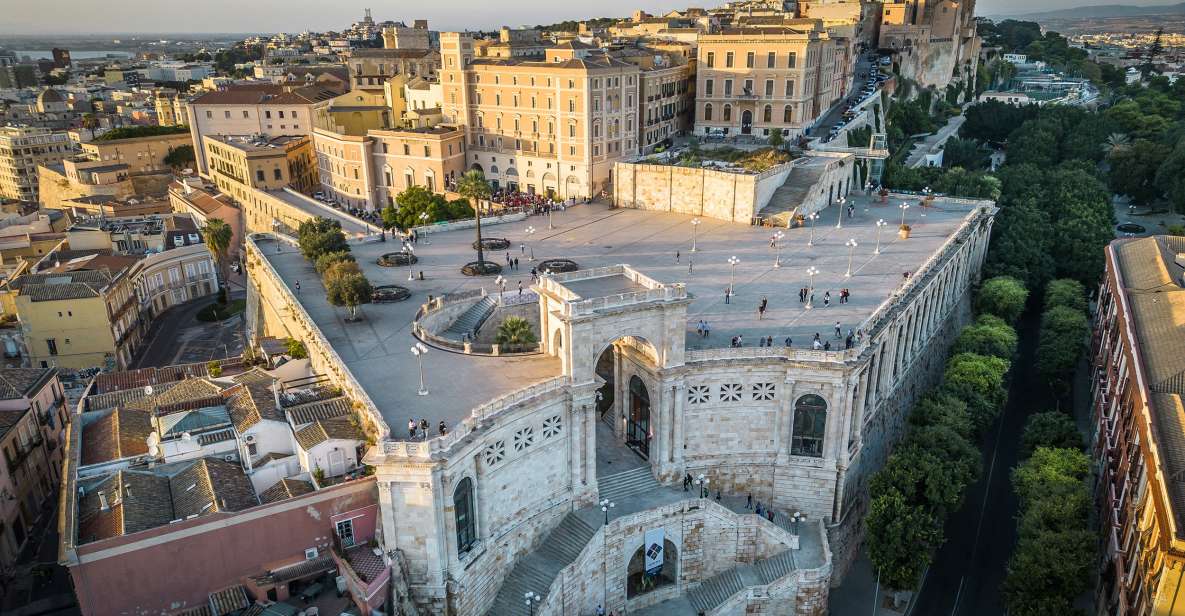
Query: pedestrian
600, 611
686, 482
850, 334
676, 256
733, 342
727, 294
707, 329
826, 299
441, 428
523, 247
761, 308
816, 345
298, 287
717, 493
508, 261
827, 346
689, 264
411, 428
699, 329
759, 510
837, 330
847, 343
789, 342
520, 288
424, 427
740, 340
769, 341
769, 514
749, 501
516, 263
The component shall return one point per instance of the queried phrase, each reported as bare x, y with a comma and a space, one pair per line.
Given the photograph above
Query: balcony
23, 452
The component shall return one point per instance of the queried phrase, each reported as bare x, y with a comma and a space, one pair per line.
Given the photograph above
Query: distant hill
1104, 10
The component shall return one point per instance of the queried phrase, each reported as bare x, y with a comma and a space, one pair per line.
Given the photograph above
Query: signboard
654, 542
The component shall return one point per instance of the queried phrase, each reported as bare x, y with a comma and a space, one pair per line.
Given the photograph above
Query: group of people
419, 430
807, 295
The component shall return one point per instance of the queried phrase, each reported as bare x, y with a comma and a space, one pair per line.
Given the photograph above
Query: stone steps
472, 319
619, 486
771, 569
716, 590
536, 571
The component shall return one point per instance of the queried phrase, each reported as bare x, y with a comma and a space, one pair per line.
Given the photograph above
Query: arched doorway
746, 122
637, 427
640, 582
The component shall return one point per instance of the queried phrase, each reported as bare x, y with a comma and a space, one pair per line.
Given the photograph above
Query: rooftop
376, 349
251, 144
350, 226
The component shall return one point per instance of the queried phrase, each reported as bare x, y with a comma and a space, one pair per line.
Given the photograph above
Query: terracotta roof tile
285, 489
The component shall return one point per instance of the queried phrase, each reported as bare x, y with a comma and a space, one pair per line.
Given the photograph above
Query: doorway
638, 422
746, 122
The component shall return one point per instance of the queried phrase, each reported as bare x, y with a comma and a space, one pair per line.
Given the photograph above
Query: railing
589, 306
839, 356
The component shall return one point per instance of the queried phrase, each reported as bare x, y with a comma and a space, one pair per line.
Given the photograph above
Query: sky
126, 16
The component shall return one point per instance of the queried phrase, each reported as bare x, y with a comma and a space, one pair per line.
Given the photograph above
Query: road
968, 570
178, 337
917, 156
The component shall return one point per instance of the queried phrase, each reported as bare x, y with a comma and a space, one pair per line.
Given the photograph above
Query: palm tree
90, 122
474, 187
218, 235
515, 332
1116, 142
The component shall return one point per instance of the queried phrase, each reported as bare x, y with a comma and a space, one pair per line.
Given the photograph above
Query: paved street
917, 156
177, 337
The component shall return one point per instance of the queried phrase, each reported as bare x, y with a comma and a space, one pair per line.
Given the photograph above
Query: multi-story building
550, 124
240, 161
1138, 408
203, 203
140, 154
171, 110
81, 313
184, 272
754, 80
370, 68
33, 418
934, 42
257, 109
22, 150
666, 98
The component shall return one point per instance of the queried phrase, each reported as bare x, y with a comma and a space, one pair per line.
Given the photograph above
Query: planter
903, 232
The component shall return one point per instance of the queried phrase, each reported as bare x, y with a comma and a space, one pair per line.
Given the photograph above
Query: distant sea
74, 54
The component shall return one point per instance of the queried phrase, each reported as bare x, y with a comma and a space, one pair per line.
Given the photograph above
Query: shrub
1065, 292
989, 335
214, 368
320, 236
515, 332
1003, 296
295, 349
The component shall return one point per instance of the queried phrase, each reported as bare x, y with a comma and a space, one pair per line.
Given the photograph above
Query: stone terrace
376, 350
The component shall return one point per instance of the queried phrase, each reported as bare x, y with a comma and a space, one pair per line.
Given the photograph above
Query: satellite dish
153, 439
147, 390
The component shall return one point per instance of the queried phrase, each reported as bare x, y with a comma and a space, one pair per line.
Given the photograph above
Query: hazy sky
107, 16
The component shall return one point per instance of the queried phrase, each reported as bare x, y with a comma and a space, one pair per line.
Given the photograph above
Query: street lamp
500, 282
530, 232
702, 483
927, 199
424, 218
903, 206
880, 224
606, 505
532, 600
776, 240
840, 203
419, 350
796, 518
694, 225
810, 272
851, 244
811, 217
732, 267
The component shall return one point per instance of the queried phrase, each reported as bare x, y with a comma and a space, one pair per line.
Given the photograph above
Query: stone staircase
715, 591
536, 571
472, 319
619, 486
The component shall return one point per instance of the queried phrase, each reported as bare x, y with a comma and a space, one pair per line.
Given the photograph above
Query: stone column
677, 421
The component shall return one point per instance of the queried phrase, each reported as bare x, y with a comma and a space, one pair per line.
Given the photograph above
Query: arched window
768, 114
810, 424
728, 113
787, 114
708, 112
640, 582
464, 515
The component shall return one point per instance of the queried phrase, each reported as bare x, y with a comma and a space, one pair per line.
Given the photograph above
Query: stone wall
696, 191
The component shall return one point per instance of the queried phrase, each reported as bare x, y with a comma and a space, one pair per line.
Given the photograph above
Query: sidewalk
933, 143
855, 596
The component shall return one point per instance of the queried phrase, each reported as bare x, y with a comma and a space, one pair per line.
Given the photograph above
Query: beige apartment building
239, 162
370, 68
140, 154
751, 81
666, 99
257, 109
171, 110
549, 124
22, 150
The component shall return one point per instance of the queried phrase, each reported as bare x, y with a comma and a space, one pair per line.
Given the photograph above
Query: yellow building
666, 99
140, 154
239, 162
75, 178
171, 110
22, 149
552, 124
754, 80
430, 157
80, 318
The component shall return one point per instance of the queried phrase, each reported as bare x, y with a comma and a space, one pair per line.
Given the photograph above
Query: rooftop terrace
658, 245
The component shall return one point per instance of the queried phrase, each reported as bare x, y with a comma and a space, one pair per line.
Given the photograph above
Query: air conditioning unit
229, 457
249, 438
310, 554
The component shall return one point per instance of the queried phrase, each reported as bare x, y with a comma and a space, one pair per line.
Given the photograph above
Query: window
728, 113
246, 114
727, 87
281, 114
728, 60
209, 115
464, 515
787, 114
789, 88
771, 59
767, 115
494, 453
698, 394
792, 59
708, 87
226, 114
810, 424
427, 151
769, 88
730, 392
749, 57
279, 175
708, 112
748, 86
267, 114
52, 345
763, 391
711, 59
259, 175
406, 150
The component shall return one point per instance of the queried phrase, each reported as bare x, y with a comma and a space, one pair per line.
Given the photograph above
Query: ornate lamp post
419, 350
810, 272
424, 218
606, 505
530, 231
776, 240
840, 203
532, 599
500, 282
811, 217
903, 206
702, 483
732, 266
851, 244
880, 224
695, 222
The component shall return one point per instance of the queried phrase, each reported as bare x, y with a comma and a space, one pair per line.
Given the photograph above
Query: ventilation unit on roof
310, 554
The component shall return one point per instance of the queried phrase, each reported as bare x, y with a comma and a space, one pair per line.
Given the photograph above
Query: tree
390, 217
1116, 142
323, 262
319, 236
1049, 429
515, 332
90, 123
1170, 175
977, 380
474, 187
1065, 292
218, 236
989, 335
180, 157
1036, 143
338, 268
941, 409
965, 153
1020, 245
1154, 50
1003, 296
902, 538
775, 139
1134, 168
350, 290
1083, 220
1060, 343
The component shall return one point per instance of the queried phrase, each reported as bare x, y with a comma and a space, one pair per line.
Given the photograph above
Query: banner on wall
654, 542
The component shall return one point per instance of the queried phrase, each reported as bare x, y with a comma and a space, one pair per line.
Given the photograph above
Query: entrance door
345, 532
337, 463
638, 426
746, 122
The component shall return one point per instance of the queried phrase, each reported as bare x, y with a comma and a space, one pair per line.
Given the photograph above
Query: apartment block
140, 154
33, 419
755, 80
240, 161
551, 124
22, 150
